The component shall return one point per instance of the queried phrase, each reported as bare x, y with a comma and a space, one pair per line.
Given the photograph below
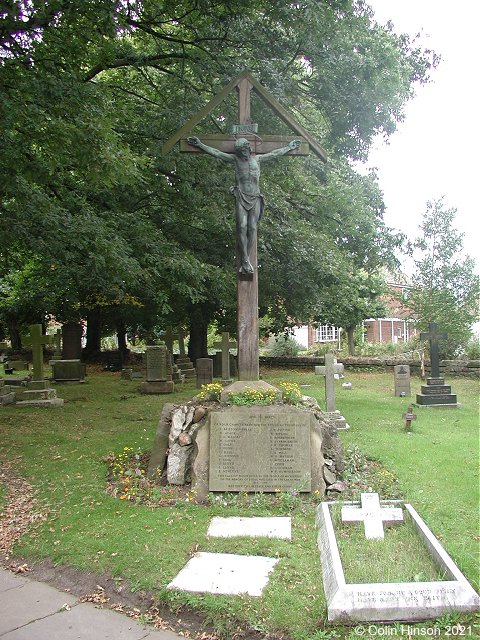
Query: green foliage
291, 393
210, 391
91, 530
282, 345
250, 397
445, 288
90, 92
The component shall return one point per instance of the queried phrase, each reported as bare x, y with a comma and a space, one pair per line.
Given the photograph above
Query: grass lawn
59, 452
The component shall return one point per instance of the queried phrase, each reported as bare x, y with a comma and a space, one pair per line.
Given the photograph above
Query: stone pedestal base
436, 394
39, 394
157, 387
337, 418
241, 385
7, 394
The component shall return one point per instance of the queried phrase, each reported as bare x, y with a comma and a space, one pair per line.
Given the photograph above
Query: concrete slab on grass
9, 580
280, 527
224, 573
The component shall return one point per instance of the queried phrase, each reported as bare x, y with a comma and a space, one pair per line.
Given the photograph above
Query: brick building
397, 327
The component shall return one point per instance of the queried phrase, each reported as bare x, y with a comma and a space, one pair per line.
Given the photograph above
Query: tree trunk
122, 342
94, 334
14, 334
351, 341
197, 344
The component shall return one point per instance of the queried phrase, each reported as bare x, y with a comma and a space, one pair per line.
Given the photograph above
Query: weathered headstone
18, 365
157, 381
72, 333
328, 371
68, 370
435, 393
225, 345
401, 374
393, 601
372, 515
204, 368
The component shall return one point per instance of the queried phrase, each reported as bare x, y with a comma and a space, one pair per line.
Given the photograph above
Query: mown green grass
59, 451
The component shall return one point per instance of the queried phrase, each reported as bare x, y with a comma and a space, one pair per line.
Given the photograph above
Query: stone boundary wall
467, 368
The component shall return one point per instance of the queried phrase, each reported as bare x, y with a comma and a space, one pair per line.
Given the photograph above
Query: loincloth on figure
248, 201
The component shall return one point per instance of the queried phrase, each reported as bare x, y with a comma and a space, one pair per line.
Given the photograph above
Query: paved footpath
32, 610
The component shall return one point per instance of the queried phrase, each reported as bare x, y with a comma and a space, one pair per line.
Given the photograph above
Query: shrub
283, 346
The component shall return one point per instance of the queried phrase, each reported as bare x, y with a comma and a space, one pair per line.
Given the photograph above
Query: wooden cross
36, 340
372, 515
225, 345
247, 285
409, 416
434, 335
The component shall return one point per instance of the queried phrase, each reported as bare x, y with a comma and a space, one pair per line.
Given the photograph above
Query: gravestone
204, 368
435, 393
225, 345
57, 343
38, 392
401, 374
18, 365
372, 515
68, 370
72, 333
329, 371
259, 448
7, 393
157, 378
393, 601
183, 362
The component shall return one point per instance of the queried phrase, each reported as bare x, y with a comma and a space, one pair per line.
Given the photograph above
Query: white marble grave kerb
394, 601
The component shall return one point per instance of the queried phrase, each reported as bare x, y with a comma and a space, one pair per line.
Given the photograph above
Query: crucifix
246, 151
434, 335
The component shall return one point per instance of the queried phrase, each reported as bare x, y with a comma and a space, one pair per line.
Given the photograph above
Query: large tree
445, 288
90, 90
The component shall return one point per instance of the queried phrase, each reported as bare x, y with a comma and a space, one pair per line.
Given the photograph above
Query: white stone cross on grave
372, 515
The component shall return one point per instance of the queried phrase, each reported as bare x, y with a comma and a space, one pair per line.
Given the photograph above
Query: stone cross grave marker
372, 515
434, 335
246, 152
401, 375
57, 342
36, 340
225, 345
329, 370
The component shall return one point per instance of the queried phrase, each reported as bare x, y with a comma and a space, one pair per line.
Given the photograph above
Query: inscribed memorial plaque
261, 448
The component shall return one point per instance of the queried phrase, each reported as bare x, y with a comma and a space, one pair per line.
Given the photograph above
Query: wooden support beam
265, 144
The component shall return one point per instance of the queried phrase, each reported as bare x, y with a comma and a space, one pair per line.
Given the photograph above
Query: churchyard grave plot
391, 601
228, 573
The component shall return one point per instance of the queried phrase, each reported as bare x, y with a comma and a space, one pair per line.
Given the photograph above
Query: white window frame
326, 333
